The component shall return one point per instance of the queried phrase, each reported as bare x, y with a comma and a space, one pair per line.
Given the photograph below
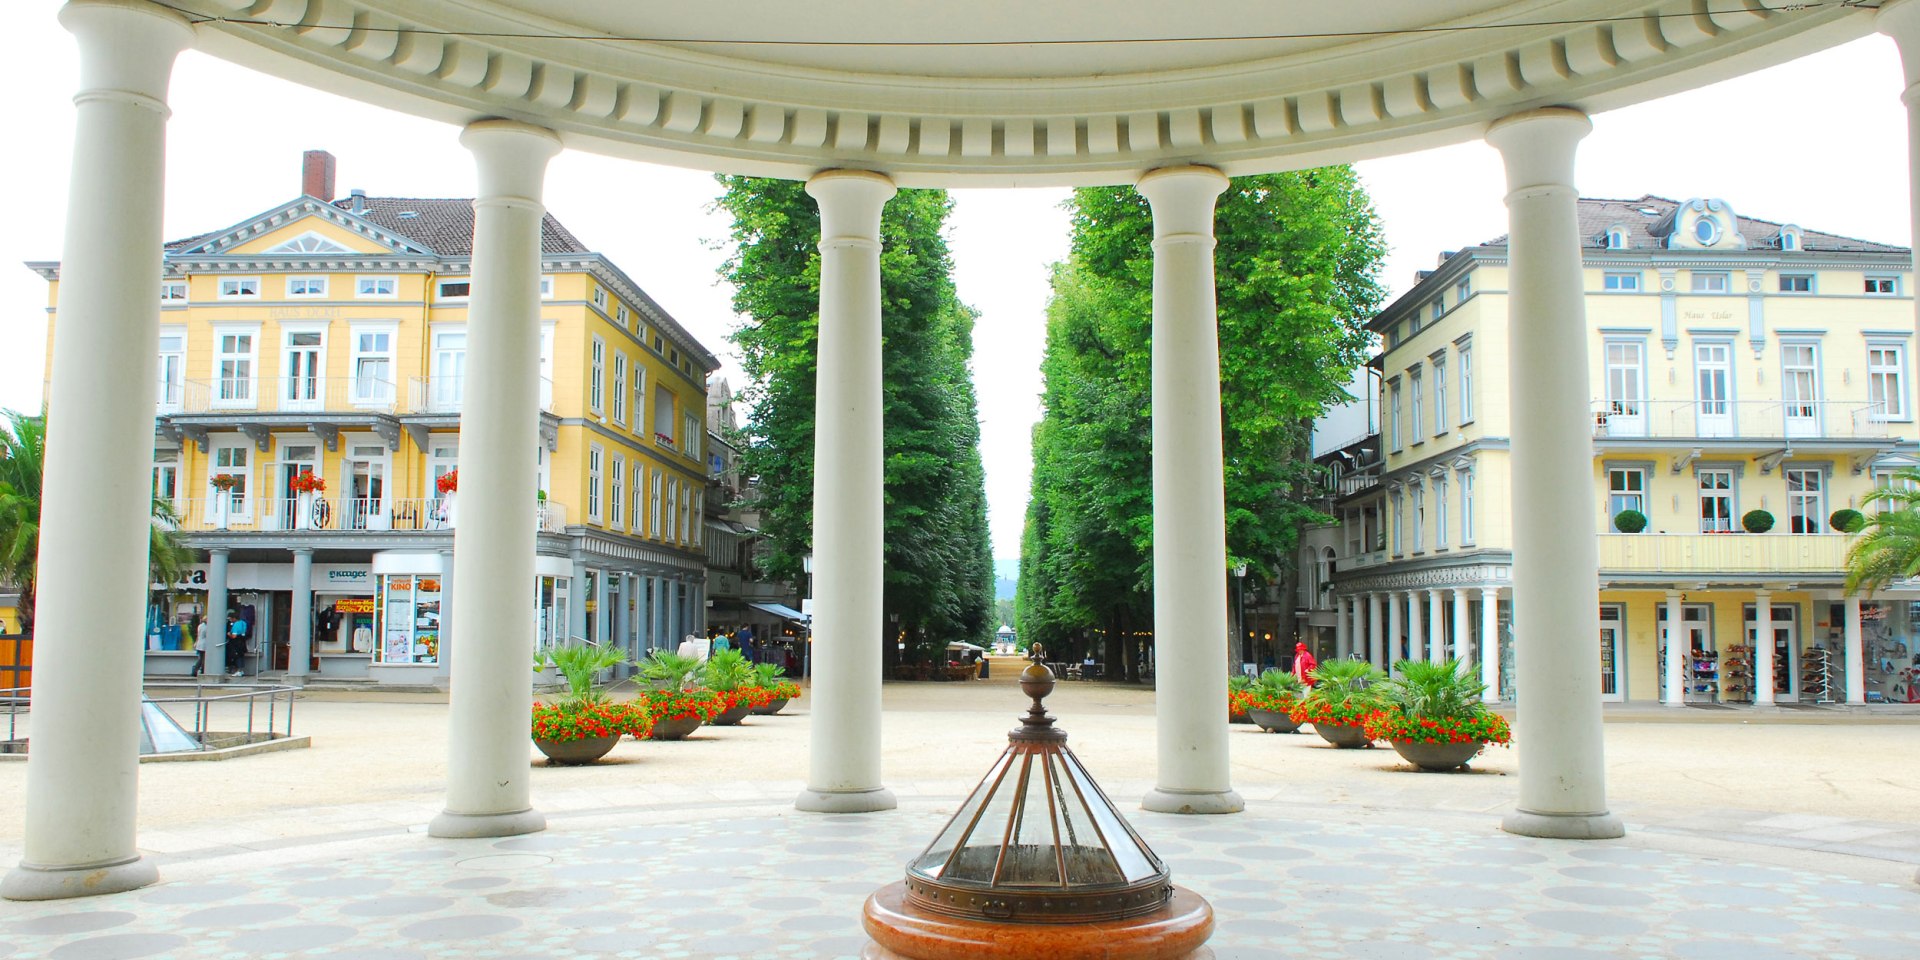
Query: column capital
303, 551
1900, 19
127, 49
1182, 199
219, 552
511, 158
1538, 147
850, 203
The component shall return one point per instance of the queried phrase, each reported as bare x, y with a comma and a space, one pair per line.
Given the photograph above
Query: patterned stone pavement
762, 881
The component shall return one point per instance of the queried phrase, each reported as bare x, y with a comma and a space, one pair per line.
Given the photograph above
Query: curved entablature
1288, 94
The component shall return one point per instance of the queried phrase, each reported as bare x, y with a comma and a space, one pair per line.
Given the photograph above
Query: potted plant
1757, 521
772, 679
677, 702
1433, 716
1848, 520
1629, 521
730, 675
448, 486
222, 504
1237, 689
1345, 693
1271, 697
304, 485
581, 725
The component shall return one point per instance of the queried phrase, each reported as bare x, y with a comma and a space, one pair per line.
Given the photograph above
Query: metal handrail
18, 700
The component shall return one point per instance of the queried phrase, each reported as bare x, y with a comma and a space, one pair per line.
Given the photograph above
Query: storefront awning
780, 610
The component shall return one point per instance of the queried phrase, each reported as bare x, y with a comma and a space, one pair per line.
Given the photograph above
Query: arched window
1616, 238
1790, 237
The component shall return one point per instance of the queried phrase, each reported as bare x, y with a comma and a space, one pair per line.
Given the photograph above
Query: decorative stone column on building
1342, 627
1416, 627
1462, 633
92, 567
1855, 653
488, 788
1677, 651
212, 641
1900, 19
1437, 631
1376, 633
1763, 681
1189, 499
300, 616
843, 773
1395, 611
1490, 643
1556, 559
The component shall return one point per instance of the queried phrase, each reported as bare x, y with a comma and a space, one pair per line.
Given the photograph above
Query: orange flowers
563, 722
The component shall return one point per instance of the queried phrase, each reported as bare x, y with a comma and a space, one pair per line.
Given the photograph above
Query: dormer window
1790, 237
1707, 231
1616, 238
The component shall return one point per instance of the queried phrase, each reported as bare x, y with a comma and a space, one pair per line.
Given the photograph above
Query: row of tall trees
939, 562
1296, 270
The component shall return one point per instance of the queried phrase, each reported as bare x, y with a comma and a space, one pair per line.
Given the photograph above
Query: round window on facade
1706, 231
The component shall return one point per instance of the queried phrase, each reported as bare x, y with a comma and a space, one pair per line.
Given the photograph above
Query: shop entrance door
296, 458
1612, 629
1786, 650
1701, 682
367, 488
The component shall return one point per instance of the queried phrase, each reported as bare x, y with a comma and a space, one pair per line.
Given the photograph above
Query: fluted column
1376, 633
1189, 500
1462, 637
1490, 643
1677, 651
844, 752
95, 500
1556, 559
488, 789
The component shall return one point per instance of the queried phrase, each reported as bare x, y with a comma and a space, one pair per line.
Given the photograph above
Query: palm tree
23, 446
1888, 547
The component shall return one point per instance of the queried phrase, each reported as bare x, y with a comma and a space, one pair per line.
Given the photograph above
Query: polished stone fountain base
1178, 931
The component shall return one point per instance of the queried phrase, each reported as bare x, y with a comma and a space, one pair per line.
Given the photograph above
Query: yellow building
1749, 380
326, 338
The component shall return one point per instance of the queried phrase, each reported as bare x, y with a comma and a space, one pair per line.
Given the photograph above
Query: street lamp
1240, 611
806, 611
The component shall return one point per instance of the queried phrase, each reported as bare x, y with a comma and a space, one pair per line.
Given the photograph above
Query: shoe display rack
1818, 676
1703, 677
1737, 674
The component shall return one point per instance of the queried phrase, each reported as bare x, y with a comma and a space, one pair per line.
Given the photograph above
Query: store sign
354, 606
337, 577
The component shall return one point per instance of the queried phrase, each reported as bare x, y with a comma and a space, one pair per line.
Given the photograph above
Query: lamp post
1240, 612
806, 642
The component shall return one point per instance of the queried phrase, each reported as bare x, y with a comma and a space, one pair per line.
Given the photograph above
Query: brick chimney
316, 174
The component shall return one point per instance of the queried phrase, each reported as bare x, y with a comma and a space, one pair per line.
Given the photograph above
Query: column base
26, 882
474, 826
1159, 800
845, 801
1564, 826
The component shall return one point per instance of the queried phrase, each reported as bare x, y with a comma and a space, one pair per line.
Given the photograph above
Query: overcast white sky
1820, 142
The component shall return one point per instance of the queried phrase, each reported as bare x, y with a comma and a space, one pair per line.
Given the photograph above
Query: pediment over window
309, 242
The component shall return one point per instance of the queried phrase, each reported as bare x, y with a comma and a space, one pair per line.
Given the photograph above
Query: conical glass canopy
1038, 841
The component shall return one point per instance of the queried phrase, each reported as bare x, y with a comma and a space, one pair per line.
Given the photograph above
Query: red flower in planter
306, 482
448, 482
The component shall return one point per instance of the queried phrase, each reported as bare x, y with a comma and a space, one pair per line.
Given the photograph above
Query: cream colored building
1741, 370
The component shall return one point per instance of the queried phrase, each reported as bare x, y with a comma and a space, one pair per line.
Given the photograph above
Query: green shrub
578, 663
1757, 521
727, 671
1426, 690
666, 670
1629, 521
1848, 520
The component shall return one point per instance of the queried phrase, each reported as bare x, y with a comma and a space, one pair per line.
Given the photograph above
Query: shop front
410, 603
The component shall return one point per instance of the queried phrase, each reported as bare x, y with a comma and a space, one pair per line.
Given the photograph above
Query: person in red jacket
1304, 663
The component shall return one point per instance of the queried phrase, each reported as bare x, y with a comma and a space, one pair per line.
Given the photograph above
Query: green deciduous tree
939, 567
1295, 269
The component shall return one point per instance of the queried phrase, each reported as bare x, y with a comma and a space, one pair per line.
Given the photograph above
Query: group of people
240, 626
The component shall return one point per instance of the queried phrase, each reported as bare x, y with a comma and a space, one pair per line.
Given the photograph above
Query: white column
92, 567
488, 790
1189, 499
1556, 562
1357, 632
300, 617
1900, 19
1490, 643
1436, 626
1678, 651
213, 634
1394, 631
1416, 628
1762, 648
1342, 628
1855, 659
1462, 636
1376, 633
843, 775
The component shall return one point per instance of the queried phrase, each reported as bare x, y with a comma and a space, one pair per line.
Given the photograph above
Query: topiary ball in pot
1757, 521
1848, 520
1629, 521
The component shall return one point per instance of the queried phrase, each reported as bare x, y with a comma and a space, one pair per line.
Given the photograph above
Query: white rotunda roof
1003, 92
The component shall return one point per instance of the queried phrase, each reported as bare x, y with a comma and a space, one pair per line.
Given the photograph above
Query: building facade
1749, 379
307, 431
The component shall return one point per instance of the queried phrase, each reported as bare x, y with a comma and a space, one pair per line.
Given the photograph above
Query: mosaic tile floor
767, 882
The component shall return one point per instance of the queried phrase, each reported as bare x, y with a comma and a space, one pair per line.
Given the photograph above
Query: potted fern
582, 725
1345, 693
676, 700
772, 680
1433, 716
730, 675
1271, 697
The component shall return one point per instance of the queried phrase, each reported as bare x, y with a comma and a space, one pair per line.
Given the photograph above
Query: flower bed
564, 722
1487, 727
696, 704
1237, 705
1319, 712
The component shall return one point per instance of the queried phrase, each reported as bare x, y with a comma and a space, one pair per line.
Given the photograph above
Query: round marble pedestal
1179, 931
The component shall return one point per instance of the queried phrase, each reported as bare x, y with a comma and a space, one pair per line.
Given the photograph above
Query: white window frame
1440, 396
622, 315
617, 493
1616, 238
1805, 280
1806, 507
673, 510
546, 286
373, 392
636, 478
597, 375
1811, 368
229, 397
1439, 306
1393, 412
1875, 281
654, 486
443, 457
1440, 513
440, 289
240, 507
319, 375
599, 296
686, 512
1395, 526
1466, 506
596, 460
619, 388
659, 411
167, 465
238, 288
1889, 379
640, 421
1465, 351
1621, 401
1711, 282
362, 283
1462, 290
1620, 281
173, 291
315, 288
1418, 494
1623, 498
1415, 406
1728, 493
448, 390
171, 400
690, 441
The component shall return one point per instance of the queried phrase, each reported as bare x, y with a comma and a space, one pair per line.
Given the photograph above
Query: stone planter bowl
674, 729
1346, 736
573, 753
732, 717
772, 707
1437, 756
1274, 722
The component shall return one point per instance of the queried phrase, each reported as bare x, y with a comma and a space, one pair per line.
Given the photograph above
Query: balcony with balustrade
319, 515
1743, 557
1743, 424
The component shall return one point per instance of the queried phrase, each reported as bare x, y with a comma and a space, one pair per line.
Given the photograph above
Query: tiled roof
1648, 214
445, 225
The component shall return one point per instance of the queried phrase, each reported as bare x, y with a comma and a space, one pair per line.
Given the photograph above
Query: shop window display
407, 615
